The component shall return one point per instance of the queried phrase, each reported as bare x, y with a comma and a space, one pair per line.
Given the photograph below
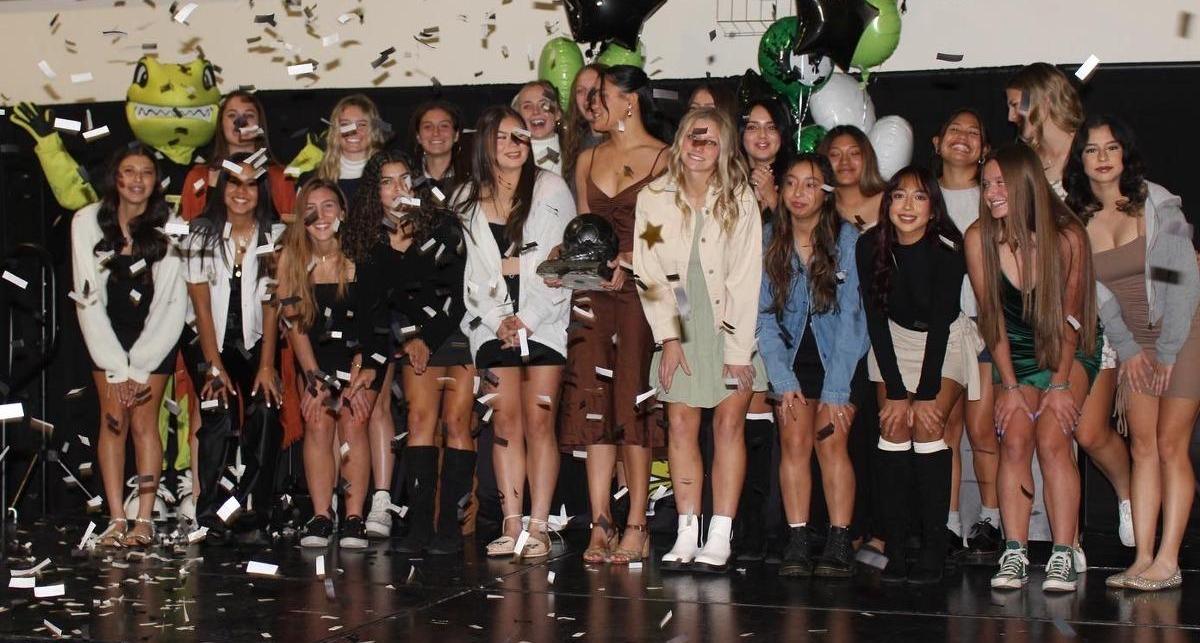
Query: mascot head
173, 107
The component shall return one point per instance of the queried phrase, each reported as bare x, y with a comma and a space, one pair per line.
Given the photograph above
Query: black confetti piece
950, 58
825, 432
1164, 275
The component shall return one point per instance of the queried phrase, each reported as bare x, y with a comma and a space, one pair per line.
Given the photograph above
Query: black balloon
831, 27
751, 87
589, 237
609, 20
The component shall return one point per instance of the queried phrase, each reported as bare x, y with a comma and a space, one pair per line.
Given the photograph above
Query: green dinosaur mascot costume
170, 107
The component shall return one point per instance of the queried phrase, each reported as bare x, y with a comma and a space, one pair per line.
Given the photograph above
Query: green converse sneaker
1060, 570
1014, 567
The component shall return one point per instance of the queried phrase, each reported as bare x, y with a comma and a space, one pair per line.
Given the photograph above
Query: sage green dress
703, 347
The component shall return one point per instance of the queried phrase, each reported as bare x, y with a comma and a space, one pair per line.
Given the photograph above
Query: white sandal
535, 547
504, 545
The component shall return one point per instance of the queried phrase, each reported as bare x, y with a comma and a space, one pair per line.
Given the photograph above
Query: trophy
588, 244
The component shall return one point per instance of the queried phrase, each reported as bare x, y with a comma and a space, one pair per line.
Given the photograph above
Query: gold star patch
652, 235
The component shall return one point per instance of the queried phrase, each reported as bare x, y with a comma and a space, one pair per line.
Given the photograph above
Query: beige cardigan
732, 264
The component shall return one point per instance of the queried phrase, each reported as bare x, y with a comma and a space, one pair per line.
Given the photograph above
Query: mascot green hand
170, 107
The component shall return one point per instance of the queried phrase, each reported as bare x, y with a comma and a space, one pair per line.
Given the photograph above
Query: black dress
126, 311
344, 328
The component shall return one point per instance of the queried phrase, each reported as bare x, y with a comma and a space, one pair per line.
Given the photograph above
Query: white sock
990, 513
797, 525
924, 448
954, 523
884, 445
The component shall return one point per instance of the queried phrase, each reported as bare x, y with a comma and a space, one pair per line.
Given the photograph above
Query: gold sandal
535, 547
627, 556
114, 534
504, 545
599, 554
139, 540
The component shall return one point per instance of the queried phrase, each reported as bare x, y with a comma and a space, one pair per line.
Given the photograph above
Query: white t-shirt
547, 154
963, 206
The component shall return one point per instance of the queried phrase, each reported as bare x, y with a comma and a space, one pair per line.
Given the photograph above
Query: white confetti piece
486, 397
320, 563
229, 509
94, 502
91, 528
84, 77
544, 400
495, 597
947, 242
185, 12
20, 582
579, 455
331, 39
343, 375
380, 359
604, 372
642, 397
620, 493
97, 133
301, 69
136, 267
50, 591
346, 17
12, 411
46, 69
1074, 322
1085, 70
586, 314
665, 619
32, 571
197, 535
261, 569
550, 577
15, 280
595, 417
54, 630
521, 540
208, 405
523, 336
67, 125
344, 450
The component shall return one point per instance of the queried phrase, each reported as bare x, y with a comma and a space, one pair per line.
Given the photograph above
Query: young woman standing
537, 102
515, 215
437, 130
331, 319
1031, 269
616, 337
129, 294
699, 254
354, 136
922, 355
1146, 265
812, 333
578, 133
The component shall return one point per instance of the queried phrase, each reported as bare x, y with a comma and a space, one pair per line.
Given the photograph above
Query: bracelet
1065, 386
1011, 387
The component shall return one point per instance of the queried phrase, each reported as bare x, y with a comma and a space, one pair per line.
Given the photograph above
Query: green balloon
809, 138
880, 37
561, 59
774, 53
615, 54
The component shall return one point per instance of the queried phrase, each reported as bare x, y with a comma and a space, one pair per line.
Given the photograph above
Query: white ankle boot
714, 556
685, 547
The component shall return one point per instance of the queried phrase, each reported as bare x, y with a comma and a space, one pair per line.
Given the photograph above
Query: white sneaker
379, 519
1080, 559
1125, 515
186, 509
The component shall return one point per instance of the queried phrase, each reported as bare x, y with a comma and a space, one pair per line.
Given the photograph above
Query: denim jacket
841, 333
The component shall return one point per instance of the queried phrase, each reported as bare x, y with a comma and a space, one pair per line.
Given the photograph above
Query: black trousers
249, 425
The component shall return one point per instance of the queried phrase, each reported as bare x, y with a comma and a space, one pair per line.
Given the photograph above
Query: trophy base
577, 274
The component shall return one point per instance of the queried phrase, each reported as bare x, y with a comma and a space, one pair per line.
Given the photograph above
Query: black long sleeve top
923, 296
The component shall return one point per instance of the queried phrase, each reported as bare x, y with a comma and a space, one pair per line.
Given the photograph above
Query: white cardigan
208, 265
544, 310
164, 323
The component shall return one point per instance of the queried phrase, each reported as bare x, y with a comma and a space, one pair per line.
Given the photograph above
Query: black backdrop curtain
1155, 99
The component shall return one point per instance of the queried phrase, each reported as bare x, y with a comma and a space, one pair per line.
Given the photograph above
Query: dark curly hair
363, 222
822, 267
940, 225
145, 230
1133, 175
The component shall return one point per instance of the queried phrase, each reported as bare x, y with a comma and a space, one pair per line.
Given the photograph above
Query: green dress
702, 346
1020, 345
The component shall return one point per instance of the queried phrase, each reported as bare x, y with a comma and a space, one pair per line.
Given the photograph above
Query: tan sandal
535, 547
622, 556
504, 545
114, 534
600, 553
139, 540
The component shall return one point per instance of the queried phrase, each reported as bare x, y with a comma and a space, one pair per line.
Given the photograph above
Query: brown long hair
293, 272
1036, 218
483, 172
729, 178
220, 145
576, 129
871, 182
822, 267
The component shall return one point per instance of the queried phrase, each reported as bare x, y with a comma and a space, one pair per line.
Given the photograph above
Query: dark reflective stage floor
375, 595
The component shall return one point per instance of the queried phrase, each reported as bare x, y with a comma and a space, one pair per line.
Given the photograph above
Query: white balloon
842, 102
892, 138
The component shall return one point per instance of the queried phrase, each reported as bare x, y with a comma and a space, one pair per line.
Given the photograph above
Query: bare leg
837, 474
985, 447
1015, 479
356, 466
729, 453
683, 456
601, 459
147, 449
1142, 413
1059, 470
110, 445
1098, 439
318, 465
795, 463
637, 470
541, 455
1176, 417
508, 452
381, 430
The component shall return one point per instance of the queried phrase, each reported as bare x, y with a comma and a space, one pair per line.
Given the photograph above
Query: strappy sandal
535, 547
504, 545
114, 534
622, 556
139, 540
600, 553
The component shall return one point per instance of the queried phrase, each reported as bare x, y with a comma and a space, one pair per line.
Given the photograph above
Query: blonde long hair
729, 179
1052, 98
1036, 218
293, 272
330, 168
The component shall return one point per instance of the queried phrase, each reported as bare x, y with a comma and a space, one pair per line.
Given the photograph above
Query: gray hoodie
1171, 305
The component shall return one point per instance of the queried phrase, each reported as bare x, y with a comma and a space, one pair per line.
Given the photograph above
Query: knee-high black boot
217, 443
932, 473
260, 441
750, 524
894, 470
421, 484
458, 468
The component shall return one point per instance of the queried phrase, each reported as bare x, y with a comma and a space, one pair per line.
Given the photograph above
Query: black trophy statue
589, 244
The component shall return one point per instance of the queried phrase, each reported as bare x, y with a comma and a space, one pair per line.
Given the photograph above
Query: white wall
987, 32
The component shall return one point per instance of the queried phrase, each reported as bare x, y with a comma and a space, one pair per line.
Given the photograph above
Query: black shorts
493, 355
808, 367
